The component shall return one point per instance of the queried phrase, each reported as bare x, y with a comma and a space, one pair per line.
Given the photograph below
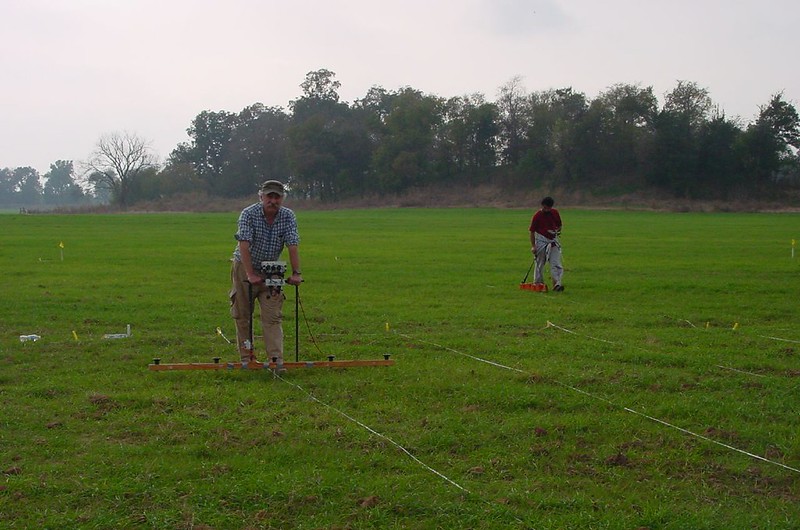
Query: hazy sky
73, 70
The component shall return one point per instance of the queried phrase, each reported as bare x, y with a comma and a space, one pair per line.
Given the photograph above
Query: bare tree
116, 162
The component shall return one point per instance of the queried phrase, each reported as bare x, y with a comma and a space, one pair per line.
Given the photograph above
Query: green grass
560, 432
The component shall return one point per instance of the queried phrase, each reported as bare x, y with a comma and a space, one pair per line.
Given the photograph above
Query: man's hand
254, 278
533, 251
295, 279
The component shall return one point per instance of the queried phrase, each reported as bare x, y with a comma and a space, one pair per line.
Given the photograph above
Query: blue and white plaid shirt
266, 240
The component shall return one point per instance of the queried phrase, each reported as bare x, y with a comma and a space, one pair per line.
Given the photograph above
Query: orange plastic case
537, 287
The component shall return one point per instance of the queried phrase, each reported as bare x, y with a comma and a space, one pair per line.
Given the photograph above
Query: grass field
660, 390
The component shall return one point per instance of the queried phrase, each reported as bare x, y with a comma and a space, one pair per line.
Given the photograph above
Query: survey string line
565, 330
740, 371
629, 311
394, 443
364, 425
376, 433
681, 429
717, 442
492, 363
780, 339
550, 324
736, 326
614, 404
691, 324
367, 427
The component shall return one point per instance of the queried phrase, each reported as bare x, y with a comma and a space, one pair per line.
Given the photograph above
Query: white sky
73, 70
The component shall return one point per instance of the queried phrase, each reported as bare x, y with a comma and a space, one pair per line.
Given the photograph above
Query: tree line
391, 141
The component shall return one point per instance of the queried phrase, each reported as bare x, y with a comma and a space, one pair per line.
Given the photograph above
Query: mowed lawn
661, 389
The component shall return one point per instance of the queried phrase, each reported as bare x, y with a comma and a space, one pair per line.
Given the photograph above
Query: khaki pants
270, 301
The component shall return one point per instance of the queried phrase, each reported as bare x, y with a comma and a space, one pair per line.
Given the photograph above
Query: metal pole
525, 279
296, 323
252, 310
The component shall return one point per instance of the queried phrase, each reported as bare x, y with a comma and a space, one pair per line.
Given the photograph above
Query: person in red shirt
545, 246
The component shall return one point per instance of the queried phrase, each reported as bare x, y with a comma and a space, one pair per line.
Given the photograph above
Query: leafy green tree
373, 111
232, 153
61, 186
551, 146
770, 144
781, 117
719, 170
674, 154
626, 130
257, 150
484, 131
29, 187
329, 146
514, 121
593, 161
568, 109
467, 143
20, 186
321, 85
210, 135
177, 179
691, 102
678, 129
378, 104
147, 186
405, 151
7, 185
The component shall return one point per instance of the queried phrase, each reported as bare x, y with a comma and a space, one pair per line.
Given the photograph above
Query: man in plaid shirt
264, 229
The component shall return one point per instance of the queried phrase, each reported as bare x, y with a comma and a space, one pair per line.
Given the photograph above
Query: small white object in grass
119, 335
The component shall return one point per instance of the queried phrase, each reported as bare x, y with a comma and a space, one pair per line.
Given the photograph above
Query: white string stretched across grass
550, 324
376, 433
400, 447
565, 330
608, 401
736, 326
740, 371
780, 339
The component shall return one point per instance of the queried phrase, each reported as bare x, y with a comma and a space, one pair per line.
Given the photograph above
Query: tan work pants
270, 301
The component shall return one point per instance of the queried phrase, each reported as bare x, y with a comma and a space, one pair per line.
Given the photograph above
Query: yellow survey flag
61, 244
